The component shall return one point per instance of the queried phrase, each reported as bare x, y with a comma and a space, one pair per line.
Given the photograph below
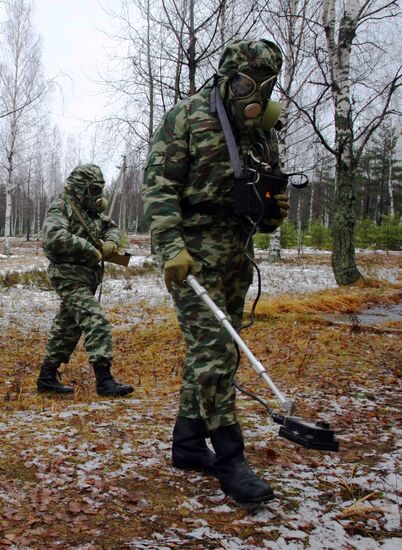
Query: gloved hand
109, 248
97, 257
282, 202
176, 270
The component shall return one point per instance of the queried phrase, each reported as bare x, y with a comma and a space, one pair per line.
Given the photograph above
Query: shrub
288, 235
389, 234
365, 234
261, 241
319, 235
26, 278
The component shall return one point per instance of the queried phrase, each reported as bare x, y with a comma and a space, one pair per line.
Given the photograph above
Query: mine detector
311, 435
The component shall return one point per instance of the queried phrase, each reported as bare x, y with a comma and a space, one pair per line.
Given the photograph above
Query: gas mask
249, 102
94, 201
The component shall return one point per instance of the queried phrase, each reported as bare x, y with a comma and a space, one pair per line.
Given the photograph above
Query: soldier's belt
207, 209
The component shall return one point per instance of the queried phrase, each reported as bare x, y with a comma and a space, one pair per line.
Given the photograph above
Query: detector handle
286, 404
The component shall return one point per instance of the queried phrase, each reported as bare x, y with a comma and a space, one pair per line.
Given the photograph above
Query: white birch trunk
274, 252
391, 189
299, 230
339, 51
7, 223
38, 216
33, 219
310, 214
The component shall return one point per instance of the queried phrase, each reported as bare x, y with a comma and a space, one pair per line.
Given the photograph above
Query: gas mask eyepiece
242, 86
95, 189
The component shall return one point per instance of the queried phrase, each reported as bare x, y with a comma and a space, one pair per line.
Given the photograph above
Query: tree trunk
29, 201
391, 189
365, 209
343, 226
150, 76
191, 52
289, 69
274, 252
311, 206
299, 230
38, 203
7, 223
124, 194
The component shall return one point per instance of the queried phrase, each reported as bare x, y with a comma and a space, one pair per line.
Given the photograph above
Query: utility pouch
254, 192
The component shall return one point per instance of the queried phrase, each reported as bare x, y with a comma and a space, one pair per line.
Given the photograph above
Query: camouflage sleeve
164, 179
110, 230
58, 239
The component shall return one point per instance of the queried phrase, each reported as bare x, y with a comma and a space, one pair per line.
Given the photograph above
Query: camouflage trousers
207, 389
79, 313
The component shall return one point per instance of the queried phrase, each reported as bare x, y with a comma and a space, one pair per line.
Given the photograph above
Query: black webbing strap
206, 208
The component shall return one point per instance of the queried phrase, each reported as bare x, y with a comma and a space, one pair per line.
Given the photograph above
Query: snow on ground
67, 454
35, 308
63, 460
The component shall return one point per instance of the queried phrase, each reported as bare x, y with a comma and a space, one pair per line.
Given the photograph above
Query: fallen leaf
75, 507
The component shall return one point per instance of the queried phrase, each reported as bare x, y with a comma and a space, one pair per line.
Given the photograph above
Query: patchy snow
28, 306
82, 449
62, 462
281, 278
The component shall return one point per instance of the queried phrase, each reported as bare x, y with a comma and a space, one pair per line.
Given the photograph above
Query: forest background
339, 87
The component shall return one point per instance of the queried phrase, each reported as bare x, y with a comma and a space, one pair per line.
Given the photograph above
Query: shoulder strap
80, 218
217, 106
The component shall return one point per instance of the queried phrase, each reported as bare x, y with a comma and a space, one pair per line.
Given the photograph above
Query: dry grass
349, 299
295, 344
321, 363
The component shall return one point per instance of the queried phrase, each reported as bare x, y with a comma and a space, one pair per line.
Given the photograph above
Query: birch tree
22, 85
359, 79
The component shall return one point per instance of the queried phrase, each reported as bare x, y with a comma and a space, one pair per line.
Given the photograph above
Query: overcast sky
74, 45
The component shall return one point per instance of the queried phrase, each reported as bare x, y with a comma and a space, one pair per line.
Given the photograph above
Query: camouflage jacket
66, 242
188, 164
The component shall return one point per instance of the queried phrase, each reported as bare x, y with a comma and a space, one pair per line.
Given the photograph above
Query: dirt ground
90, 473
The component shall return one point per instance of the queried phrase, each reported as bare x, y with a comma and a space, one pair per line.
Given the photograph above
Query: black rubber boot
48, 381
106, 385
235, 476
189, 449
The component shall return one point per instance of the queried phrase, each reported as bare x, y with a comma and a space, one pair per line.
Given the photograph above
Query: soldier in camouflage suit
76, 238
188, 195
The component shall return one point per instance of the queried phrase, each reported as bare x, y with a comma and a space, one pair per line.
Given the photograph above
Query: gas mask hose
253, 230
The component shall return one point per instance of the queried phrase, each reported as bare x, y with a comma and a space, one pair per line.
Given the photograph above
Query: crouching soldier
77, 237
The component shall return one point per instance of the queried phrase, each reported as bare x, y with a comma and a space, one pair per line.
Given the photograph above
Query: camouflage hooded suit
188, 196
75, 271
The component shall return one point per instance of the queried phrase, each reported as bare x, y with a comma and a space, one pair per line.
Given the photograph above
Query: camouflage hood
256, 62
250, 55
79, 179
